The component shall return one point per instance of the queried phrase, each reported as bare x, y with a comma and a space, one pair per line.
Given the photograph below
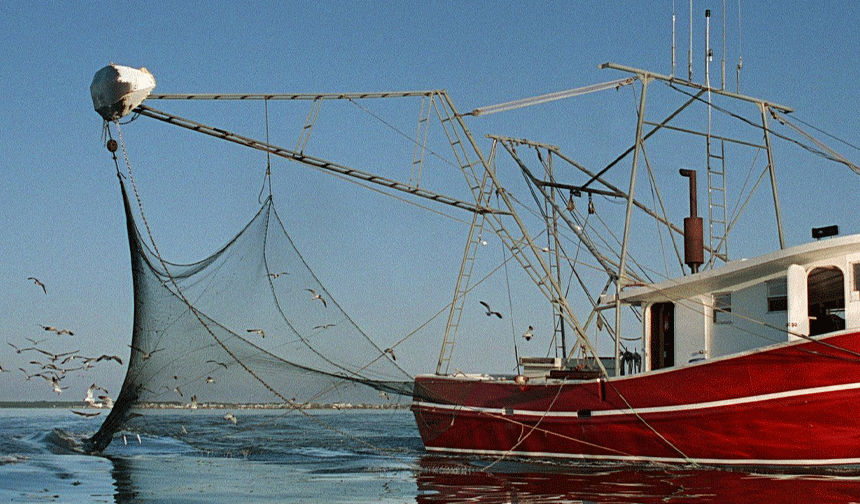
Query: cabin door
826, 294
662, 335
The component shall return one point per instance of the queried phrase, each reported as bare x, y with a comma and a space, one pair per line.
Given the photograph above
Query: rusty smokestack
694, 243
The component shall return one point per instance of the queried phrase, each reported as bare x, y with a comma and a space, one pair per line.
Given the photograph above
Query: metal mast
716, 164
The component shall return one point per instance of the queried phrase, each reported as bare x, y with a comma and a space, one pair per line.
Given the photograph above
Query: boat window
855, 268
825, 287
723, 308
777, 297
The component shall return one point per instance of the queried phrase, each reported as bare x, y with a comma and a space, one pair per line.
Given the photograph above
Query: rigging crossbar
288, 96
559, 95
315, 162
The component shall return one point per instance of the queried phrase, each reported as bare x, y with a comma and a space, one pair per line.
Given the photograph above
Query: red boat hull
793, 404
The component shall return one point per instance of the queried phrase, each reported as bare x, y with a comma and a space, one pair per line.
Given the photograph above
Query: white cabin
806, 290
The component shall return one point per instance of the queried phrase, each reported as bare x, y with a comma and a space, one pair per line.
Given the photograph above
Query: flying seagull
87, 414
528, 334
55, 330
90, 399
100, 358
219, 363
53, 356
145, 355
314, 295
19, 350
55, 382
276, 275
39, 283
108, 402
390, 351
489, 311
258, 331
323, 327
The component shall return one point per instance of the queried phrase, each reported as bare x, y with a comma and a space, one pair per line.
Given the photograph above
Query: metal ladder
523, 248
482, 191
717, 214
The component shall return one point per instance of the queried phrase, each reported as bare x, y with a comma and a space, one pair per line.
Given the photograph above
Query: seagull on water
231, 417
490, 312
314, 295
39, 283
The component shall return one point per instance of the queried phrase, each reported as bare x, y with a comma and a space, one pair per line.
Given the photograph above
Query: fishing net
250, 324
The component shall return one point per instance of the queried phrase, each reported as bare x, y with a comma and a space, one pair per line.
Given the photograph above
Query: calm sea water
333, 457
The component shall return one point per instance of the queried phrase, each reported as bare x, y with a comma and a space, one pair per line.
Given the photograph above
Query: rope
830, 153
529, 433
834, 157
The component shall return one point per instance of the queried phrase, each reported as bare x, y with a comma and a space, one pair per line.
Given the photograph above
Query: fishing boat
732, 362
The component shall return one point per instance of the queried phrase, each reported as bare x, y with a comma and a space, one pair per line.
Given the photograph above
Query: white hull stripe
645, 411
703, 461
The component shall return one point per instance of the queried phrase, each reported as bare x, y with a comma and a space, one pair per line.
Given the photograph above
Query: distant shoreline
216, 406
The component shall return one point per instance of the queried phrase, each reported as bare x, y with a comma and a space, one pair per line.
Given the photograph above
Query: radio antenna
673, 40
740, 51
723, 55
690, 52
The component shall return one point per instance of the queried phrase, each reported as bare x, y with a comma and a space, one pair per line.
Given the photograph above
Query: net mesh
250, 324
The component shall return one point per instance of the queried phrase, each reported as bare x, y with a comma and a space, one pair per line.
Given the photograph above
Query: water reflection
443, 480
431, 479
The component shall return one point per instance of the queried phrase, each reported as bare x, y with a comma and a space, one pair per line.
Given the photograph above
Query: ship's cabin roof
739, 273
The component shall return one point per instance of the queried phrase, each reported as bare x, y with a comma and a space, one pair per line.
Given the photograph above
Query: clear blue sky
61, 212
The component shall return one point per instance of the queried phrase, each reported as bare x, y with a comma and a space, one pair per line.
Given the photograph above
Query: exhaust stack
694, 243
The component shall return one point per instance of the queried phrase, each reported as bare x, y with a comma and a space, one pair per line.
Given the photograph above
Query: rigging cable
267, 180
825, 155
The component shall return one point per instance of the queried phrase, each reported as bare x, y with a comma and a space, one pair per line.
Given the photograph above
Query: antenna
709, 54
673, 40
740, 51
690, 52
723, 55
